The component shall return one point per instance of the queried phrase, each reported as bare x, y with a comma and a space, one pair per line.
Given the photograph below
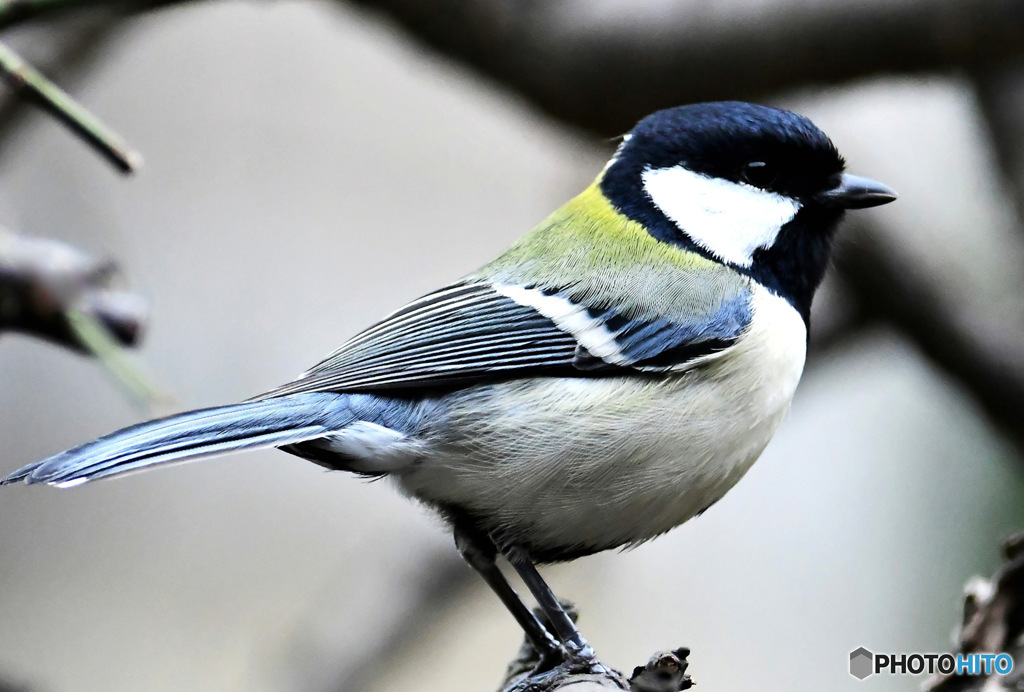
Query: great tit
609, 376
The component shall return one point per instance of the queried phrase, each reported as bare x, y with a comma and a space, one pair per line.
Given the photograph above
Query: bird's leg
564, 627
480, 552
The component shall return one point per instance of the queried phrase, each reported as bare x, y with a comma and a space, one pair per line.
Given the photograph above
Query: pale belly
571, 466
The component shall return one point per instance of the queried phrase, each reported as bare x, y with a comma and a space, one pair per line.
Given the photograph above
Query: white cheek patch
728, 219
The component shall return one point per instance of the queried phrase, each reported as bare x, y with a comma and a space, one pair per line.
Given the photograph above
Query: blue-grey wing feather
668, 344
470, 332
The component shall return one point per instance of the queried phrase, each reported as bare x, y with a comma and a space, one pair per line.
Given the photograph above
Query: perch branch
991, 623
664, 672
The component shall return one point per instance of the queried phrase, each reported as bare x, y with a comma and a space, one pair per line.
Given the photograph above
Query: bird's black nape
767, 148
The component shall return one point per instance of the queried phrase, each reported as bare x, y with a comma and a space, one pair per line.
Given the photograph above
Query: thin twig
33, 86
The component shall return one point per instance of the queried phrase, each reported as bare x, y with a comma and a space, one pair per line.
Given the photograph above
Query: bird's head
757, 188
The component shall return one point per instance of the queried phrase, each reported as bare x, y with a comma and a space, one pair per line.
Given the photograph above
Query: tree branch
14, 12
992, 624
59, 293
897, 292
664, 672
602, 67
41, 280
31, 85
1000, 95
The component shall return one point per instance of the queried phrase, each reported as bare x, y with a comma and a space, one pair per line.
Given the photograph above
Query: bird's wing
473, 332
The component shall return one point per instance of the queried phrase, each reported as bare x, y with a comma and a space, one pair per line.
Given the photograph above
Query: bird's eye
759, 174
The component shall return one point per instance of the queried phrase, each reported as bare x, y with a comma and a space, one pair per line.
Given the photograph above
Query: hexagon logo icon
861, 663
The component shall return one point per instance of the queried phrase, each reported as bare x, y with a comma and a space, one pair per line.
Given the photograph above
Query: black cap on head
723, 140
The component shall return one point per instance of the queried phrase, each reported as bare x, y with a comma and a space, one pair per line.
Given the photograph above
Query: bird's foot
543, 677
549, 660
529, 662
585, 661
556, 662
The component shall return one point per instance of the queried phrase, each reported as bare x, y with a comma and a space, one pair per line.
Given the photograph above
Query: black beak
855, 192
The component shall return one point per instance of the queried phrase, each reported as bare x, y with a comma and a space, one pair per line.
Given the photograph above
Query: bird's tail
192, 435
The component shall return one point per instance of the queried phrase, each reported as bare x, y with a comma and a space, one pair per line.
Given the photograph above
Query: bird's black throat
795, 265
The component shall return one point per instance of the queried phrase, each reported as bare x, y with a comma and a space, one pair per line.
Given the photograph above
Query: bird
609, 376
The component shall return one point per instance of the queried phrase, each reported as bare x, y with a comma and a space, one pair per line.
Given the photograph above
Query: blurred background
311, 165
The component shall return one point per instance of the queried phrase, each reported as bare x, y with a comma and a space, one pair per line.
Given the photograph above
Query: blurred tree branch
601, 67
991, 623
900, 294
587, 64
57, 292
41, 280
77, 48
14, 12
1000, 94
30, 84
